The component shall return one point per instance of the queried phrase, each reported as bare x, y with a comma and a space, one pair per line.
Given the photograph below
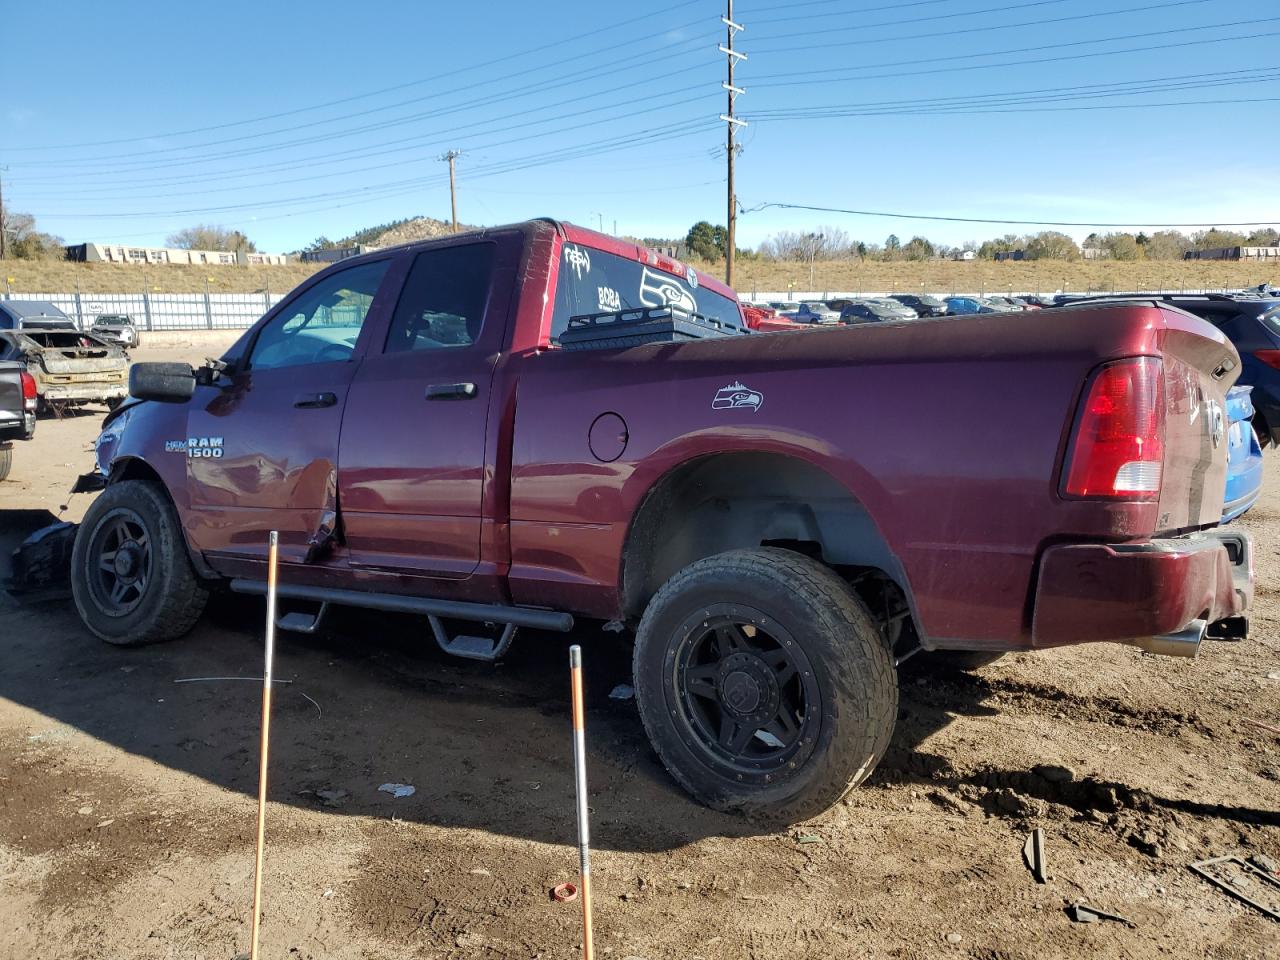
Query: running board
531, 617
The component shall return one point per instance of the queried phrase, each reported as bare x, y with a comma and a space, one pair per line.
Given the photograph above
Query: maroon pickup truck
781, 518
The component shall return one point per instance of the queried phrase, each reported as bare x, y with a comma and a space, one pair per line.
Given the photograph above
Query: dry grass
1027, 276
34, 276
59, 276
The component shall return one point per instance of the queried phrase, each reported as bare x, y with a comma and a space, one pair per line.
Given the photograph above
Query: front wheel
764, 684
131, 576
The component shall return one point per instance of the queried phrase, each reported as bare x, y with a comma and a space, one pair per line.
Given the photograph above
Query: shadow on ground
371, 700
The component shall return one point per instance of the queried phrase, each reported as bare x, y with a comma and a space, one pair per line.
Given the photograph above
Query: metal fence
163, 311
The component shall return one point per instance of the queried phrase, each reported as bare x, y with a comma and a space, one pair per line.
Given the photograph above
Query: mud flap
42, 564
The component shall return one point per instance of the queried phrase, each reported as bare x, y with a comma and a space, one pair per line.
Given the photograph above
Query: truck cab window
322, 324
443, 301
592, 281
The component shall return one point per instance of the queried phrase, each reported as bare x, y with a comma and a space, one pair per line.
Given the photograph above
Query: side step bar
473, 648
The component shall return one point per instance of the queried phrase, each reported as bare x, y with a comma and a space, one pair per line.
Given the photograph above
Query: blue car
1244, 455
962, 305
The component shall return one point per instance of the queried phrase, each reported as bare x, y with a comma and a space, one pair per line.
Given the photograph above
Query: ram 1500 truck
781, 518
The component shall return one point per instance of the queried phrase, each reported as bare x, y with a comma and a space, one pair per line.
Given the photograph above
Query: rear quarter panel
949, 432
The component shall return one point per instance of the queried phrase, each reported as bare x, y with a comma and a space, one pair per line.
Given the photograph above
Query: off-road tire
857, 688
173, 597
6, 460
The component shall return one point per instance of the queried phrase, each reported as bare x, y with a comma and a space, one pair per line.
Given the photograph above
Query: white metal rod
580, 784
272, 562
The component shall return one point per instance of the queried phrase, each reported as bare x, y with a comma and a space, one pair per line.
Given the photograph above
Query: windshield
816, 307
104, 320
593, 281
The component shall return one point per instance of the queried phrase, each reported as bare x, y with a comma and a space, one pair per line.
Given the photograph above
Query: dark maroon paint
951, 434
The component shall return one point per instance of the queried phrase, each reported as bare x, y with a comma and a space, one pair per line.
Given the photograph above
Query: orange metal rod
580, 782
272, 558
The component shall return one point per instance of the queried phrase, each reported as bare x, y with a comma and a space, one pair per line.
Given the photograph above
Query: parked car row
899, 306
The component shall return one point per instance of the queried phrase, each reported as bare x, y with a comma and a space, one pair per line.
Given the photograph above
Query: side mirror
166, 382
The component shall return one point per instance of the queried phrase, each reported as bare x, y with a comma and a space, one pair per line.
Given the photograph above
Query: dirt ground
127, 799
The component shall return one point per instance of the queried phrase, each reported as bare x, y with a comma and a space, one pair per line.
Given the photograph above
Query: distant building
1011, 255
1095, 253
334, 254
964, 255
119, 253
1269, 254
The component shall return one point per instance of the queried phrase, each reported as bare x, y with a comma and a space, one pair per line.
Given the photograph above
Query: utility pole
451, 156
2, 216
731, 122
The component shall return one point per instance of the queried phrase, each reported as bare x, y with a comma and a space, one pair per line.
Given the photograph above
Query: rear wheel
6, 459
131, 577
763, 683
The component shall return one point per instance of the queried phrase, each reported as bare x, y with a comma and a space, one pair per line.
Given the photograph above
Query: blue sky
290, 121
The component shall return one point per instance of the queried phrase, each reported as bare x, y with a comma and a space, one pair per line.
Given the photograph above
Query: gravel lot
127, 801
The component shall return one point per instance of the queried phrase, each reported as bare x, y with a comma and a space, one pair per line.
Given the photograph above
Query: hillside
419, 228
38, 276
947, 276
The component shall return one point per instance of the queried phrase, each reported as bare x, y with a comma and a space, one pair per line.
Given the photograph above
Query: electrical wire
892, 108
990, 220
984, 29
652, 135
505, 96
649, 15
918, 70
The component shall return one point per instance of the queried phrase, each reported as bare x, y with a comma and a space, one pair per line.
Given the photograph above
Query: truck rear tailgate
1200, 366
11, 404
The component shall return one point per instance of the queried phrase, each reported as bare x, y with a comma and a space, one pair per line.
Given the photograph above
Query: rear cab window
594, 281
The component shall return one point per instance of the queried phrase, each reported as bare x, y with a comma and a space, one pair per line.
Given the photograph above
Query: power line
989, 220
653, 108
147, 161
839, 13
665, 132
917, 70
962, 111
859, 27
892, 108
649, 15
987, 28
414, 142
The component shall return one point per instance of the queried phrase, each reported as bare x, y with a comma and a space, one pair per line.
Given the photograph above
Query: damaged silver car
70, 367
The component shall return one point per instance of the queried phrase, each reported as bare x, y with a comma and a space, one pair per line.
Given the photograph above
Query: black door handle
451, 391
312, 401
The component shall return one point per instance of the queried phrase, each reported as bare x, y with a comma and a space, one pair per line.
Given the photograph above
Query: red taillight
28, 391
1117, 450
1270, 357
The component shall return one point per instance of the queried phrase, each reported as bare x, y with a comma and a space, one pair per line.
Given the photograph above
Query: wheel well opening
135, 468
734, 501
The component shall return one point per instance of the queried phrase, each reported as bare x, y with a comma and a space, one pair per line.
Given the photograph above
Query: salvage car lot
128, 799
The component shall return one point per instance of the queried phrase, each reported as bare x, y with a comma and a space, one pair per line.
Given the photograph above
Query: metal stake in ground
272, 551
580, 782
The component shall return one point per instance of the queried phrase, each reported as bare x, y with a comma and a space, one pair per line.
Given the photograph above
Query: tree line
707, 241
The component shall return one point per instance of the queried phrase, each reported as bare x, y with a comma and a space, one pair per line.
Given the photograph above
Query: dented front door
262, 451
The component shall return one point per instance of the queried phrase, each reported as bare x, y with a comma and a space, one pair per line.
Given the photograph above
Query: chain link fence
163, 311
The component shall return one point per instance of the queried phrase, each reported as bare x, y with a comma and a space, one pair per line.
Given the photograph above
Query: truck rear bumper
1160, 595
84, 391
